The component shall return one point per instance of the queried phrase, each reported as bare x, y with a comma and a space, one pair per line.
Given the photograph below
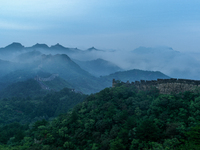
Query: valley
52, 96
99, 75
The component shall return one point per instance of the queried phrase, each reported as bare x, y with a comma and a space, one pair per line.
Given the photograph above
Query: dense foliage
29, 109
119, 118
28, 88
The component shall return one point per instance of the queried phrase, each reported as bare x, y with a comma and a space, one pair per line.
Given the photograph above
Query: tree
117, 144
147, 131
194, 135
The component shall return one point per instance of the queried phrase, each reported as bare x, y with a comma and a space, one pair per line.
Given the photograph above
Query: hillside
18, 76
71, 72
120, 118
29, 84
82, 74
133, 75
33, 62
28, 88
31, 103
6, 67
162, 58
74, 76
64, 50
29, 56
98, 67
13, 47
57, 84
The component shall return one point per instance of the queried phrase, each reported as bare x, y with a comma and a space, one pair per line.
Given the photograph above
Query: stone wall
52, 77
165, 86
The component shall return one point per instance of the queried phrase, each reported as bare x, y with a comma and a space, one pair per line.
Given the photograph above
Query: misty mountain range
92, 70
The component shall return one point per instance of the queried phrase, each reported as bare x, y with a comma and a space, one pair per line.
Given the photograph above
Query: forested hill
120, 118
33, 87
133, 75
29, 88
40, 106
86, 71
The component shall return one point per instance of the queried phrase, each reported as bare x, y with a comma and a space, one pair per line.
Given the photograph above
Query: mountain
28, 88
67, 69
155, 50
154, 56
85, 82
53, 83
18, 75
40, 46
93, 49
15, 49
164, 59
118, 118
9, 52
41, 84
80, 73
134, 75
98, 67
64, 50
30, 103
6, 67
15, 46
46, 80
75, 77
58, 46
30, 63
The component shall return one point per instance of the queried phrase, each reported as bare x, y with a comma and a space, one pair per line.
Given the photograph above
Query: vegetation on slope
29, 109
57, 84
120, 118
29, 88
71, 72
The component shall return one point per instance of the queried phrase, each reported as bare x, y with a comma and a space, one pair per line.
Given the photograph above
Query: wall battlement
165, 86
52, 77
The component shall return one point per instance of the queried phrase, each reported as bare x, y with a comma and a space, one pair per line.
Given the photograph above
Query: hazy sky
104, 24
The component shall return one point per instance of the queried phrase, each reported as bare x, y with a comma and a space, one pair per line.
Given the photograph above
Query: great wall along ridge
165, 86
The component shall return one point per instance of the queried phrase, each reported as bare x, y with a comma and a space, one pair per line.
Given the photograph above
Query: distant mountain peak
40, 46
158, 49
58, 46
15, 45
93, 49
57, 56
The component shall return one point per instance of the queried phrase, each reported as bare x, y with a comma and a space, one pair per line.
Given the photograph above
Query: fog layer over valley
52, 96
92, 70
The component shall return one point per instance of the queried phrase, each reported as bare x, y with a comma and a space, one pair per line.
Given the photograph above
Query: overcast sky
104, 24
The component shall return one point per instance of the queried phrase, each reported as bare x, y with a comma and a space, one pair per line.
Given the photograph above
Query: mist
165, 59
161, 58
